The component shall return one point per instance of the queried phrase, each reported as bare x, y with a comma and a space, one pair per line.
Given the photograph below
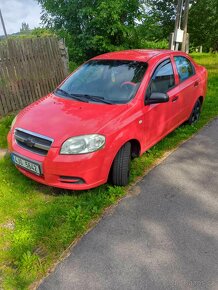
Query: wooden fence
29, 69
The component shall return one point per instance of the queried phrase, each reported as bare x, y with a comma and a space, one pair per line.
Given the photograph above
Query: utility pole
178, 14
178, 22
3, 24
185, 26
180, 34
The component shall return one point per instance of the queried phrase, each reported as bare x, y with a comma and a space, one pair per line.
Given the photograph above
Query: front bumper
74, 172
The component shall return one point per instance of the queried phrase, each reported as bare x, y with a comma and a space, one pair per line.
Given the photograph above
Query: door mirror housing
157, 98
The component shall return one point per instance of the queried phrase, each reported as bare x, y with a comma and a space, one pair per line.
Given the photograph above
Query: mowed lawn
38, 223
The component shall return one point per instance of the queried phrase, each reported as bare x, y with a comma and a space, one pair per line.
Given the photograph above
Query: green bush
5, 124
163, 44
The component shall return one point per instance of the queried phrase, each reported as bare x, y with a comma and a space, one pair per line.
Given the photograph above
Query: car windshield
104, 81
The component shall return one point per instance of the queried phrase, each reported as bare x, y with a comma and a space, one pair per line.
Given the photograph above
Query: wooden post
171, 41
64, 55
187, 43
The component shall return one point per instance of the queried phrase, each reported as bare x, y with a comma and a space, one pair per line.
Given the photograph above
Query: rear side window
184, 67
163, 78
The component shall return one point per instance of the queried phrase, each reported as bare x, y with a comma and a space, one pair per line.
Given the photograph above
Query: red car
111, 109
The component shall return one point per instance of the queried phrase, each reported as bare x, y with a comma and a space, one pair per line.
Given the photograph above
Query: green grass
5, 125
38, 223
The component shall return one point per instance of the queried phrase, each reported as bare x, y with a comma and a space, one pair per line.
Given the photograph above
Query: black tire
121, 166
195, 115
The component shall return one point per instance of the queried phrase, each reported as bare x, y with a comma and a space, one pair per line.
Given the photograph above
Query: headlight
13, 122
83, 144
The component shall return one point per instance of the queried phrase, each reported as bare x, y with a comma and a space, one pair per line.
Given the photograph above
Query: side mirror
157, 98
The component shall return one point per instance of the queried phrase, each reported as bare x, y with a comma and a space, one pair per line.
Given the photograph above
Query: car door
188, 85
159, 117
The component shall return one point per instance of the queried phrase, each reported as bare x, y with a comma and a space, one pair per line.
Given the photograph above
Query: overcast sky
17, 11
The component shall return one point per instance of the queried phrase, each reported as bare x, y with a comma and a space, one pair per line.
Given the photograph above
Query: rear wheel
121, 166
195, 115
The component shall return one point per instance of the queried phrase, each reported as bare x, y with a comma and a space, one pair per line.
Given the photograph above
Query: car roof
135, 54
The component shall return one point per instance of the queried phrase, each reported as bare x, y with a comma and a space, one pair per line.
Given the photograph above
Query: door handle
174, 99
196, 84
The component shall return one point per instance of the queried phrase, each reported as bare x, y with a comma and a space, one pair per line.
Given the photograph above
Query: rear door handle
196, 84
174, 99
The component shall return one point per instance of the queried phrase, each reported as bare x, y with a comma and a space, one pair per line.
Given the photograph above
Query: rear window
184, 67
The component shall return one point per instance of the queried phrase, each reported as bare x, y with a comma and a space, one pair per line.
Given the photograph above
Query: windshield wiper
74, 96
94, 98
84, 97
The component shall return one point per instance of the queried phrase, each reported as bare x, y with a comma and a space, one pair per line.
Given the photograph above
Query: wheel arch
201, 99
135, 151
135, 148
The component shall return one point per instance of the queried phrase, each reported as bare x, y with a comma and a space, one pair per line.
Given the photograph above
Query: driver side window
162, 80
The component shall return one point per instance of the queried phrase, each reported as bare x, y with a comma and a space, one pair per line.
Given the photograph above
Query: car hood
61, 118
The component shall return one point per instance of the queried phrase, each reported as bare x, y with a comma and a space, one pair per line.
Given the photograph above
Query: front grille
32, 141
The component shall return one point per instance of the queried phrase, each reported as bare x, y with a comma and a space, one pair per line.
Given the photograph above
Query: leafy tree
203, 24
161, 17
94, 26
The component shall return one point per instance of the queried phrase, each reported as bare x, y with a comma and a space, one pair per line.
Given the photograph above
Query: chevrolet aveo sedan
111, 109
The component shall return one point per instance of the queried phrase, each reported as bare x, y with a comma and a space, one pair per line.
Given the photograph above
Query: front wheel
121, 166
195, 115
